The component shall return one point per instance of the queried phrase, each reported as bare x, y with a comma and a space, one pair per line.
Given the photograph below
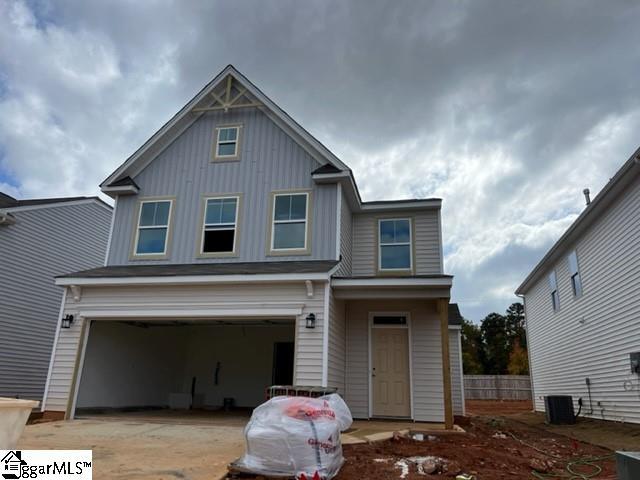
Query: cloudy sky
505, 109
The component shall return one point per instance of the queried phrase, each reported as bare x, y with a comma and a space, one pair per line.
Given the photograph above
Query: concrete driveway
140, 448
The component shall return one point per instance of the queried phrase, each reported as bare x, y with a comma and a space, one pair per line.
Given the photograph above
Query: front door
390, 372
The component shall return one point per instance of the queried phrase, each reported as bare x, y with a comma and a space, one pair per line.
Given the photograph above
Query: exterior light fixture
67, 321
311, 320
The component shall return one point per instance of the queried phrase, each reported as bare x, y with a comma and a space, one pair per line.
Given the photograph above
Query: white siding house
233, 224
582, 306
40, 239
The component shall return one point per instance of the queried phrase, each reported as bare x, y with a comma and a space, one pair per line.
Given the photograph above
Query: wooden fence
497, 387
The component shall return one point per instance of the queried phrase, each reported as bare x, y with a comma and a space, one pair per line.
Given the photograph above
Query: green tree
496, 341
472, 349
516, 329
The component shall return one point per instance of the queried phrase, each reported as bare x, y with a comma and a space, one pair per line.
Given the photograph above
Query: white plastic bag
291, 436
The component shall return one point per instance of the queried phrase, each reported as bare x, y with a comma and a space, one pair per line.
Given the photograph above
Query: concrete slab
134, 449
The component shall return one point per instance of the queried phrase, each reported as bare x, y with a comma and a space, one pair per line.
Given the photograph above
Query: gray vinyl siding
426, 244
269, 160
426, 361
308, 348
564, 351
346, 235
455, 361
337, 345
43, 243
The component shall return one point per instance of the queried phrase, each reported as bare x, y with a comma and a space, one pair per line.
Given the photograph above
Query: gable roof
205, 100
455, 317
616, 185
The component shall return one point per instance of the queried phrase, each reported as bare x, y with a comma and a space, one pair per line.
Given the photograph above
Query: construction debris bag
296, 436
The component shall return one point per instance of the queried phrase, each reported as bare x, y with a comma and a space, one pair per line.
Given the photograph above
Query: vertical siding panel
270, 160
42, 244
593, 335
456, 371
337, 339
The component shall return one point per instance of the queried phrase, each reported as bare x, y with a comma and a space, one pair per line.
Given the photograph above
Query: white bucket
13, 417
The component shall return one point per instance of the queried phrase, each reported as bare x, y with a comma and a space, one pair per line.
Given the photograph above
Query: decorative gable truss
229, 94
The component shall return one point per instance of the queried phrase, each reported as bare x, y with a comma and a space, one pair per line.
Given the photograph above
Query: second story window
153, 228
394, 244
227, 143
219, 226
555, 296
574, 272
289, 230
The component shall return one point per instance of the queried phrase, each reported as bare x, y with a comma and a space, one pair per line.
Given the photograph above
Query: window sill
135, 258
217, 255
224, 159
286, 253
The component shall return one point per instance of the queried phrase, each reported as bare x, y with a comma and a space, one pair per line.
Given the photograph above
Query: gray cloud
506, 110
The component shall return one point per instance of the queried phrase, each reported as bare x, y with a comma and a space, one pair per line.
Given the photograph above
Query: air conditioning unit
559, 409
628, 465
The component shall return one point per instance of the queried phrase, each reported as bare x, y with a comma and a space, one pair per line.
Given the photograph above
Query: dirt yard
487, 450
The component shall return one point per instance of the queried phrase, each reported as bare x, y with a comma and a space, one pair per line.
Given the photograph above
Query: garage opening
215, 365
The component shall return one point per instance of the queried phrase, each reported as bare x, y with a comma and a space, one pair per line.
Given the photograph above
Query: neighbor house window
576, 281
290, 221
394, 240
153, 227
227, 142
555, 297
219, 226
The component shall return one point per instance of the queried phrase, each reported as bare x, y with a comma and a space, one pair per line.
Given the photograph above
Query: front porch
398, 348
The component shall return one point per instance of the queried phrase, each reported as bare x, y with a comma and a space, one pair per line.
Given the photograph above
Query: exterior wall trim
392, 282
57, 205
194, 279
53, 350
325, 335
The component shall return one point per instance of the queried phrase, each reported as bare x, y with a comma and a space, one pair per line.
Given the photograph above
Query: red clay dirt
486, 450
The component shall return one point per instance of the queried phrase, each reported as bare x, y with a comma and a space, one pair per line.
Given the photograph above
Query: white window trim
274, 222
410, 243
575, 274
227, 142
204, 225
555, 293
146, 227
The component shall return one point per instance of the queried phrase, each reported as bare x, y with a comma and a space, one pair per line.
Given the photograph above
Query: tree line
498, 346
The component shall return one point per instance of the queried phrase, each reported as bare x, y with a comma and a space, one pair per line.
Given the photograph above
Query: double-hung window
227, 143
555, 296
574, 272
153, 227
394, 244
290, 222
219, 225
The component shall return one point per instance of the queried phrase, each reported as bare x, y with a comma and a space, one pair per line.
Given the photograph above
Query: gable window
227, 142
555, 296
574, 272
394, 244
289, 230
219, 225
153, 227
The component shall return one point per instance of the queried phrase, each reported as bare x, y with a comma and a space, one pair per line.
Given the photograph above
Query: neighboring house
582, 306
242, 256
39, 239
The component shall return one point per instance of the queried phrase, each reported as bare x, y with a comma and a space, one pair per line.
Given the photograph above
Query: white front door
391, 391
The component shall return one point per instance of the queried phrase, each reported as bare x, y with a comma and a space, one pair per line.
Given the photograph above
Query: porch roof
415, 286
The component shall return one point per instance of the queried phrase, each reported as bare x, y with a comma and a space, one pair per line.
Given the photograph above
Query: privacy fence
497, 387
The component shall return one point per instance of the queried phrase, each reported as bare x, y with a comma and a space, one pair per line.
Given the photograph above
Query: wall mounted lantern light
67, 321
311, 320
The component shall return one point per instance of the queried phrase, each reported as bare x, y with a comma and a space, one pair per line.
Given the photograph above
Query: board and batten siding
426, 361
592, 336
426, 243
346, 235
337, 345
309, 342
42, 243
455, 361
270, 160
